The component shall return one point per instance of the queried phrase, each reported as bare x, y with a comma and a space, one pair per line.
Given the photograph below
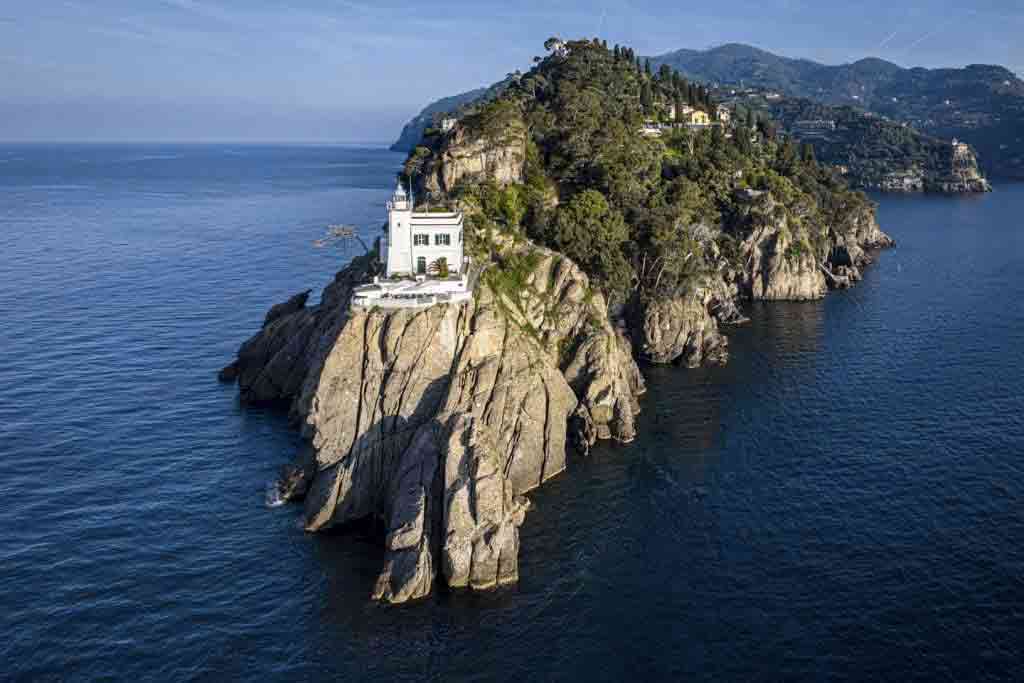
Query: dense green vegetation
981, 104
640, 214
870, 146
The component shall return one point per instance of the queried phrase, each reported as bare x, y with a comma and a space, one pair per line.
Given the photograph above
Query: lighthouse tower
399, 239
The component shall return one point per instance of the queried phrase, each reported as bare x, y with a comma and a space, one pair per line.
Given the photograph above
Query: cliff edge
437, 421
592, 243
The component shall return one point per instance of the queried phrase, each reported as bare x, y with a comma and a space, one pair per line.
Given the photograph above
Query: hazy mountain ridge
413, 131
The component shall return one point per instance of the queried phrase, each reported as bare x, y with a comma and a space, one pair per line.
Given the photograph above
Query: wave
272, 495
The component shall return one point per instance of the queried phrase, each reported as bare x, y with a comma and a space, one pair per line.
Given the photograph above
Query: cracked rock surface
439, 420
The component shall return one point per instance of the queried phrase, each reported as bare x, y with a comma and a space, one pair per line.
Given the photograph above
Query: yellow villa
697, 117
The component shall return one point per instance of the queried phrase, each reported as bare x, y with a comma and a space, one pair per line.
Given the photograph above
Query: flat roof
437, 220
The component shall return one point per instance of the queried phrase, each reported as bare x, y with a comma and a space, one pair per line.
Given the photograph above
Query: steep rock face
272, 365
467, 153
438, 420
781, 262
482, 514
780, 268
292, 305
963, 174
850, 249
683, 329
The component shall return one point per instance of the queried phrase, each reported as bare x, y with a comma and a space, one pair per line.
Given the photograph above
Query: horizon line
184, 141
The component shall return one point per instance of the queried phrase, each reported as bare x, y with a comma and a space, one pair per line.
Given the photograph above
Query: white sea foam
272, 495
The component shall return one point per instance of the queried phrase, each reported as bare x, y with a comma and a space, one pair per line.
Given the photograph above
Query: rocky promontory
593, 246
436, 421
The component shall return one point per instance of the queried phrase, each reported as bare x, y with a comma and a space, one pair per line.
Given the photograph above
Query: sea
844, 500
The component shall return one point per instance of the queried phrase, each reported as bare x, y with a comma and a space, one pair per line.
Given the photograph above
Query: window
420, 240
442, 239
421, 266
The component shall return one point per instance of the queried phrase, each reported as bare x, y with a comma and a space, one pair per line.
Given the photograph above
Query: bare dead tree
344, 235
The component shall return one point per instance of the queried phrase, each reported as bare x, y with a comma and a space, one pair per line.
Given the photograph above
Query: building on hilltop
697, 117
421, 243
964, 174
813, 129
681, 113
960, 149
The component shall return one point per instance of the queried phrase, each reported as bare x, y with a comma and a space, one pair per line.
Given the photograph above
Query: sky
356, 70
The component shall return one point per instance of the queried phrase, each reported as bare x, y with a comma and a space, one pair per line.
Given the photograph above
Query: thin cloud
205, 11
939, 29
887, 40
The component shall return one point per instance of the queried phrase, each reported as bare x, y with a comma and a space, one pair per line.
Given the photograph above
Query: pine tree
646, 97
807, 153
647, 67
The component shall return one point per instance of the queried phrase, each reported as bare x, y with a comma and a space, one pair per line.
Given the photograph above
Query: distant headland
888, 128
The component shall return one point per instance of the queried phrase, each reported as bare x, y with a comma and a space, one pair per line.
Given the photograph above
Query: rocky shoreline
436, 422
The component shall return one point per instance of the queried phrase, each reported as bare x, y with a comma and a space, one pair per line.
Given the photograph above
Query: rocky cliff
783, 258
778, 260
962, 174
687, 328
436, 421
466, 154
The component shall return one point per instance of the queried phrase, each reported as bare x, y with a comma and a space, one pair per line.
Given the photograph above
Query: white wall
399, 241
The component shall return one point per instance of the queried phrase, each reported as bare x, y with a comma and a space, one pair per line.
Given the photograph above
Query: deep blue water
844, 500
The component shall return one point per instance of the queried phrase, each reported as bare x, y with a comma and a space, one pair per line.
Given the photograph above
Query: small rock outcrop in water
438, 420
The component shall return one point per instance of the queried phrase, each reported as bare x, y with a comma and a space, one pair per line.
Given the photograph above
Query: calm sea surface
844, 500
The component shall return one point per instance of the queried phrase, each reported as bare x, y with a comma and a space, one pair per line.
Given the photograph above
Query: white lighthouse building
424, 243
423, 258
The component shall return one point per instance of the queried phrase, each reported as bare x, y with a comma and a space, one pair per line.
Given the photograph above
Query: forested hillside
646, 217
981, 104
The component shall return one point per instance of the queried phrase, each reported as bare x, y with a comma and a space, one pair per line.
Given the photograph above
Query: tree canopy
640, 214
